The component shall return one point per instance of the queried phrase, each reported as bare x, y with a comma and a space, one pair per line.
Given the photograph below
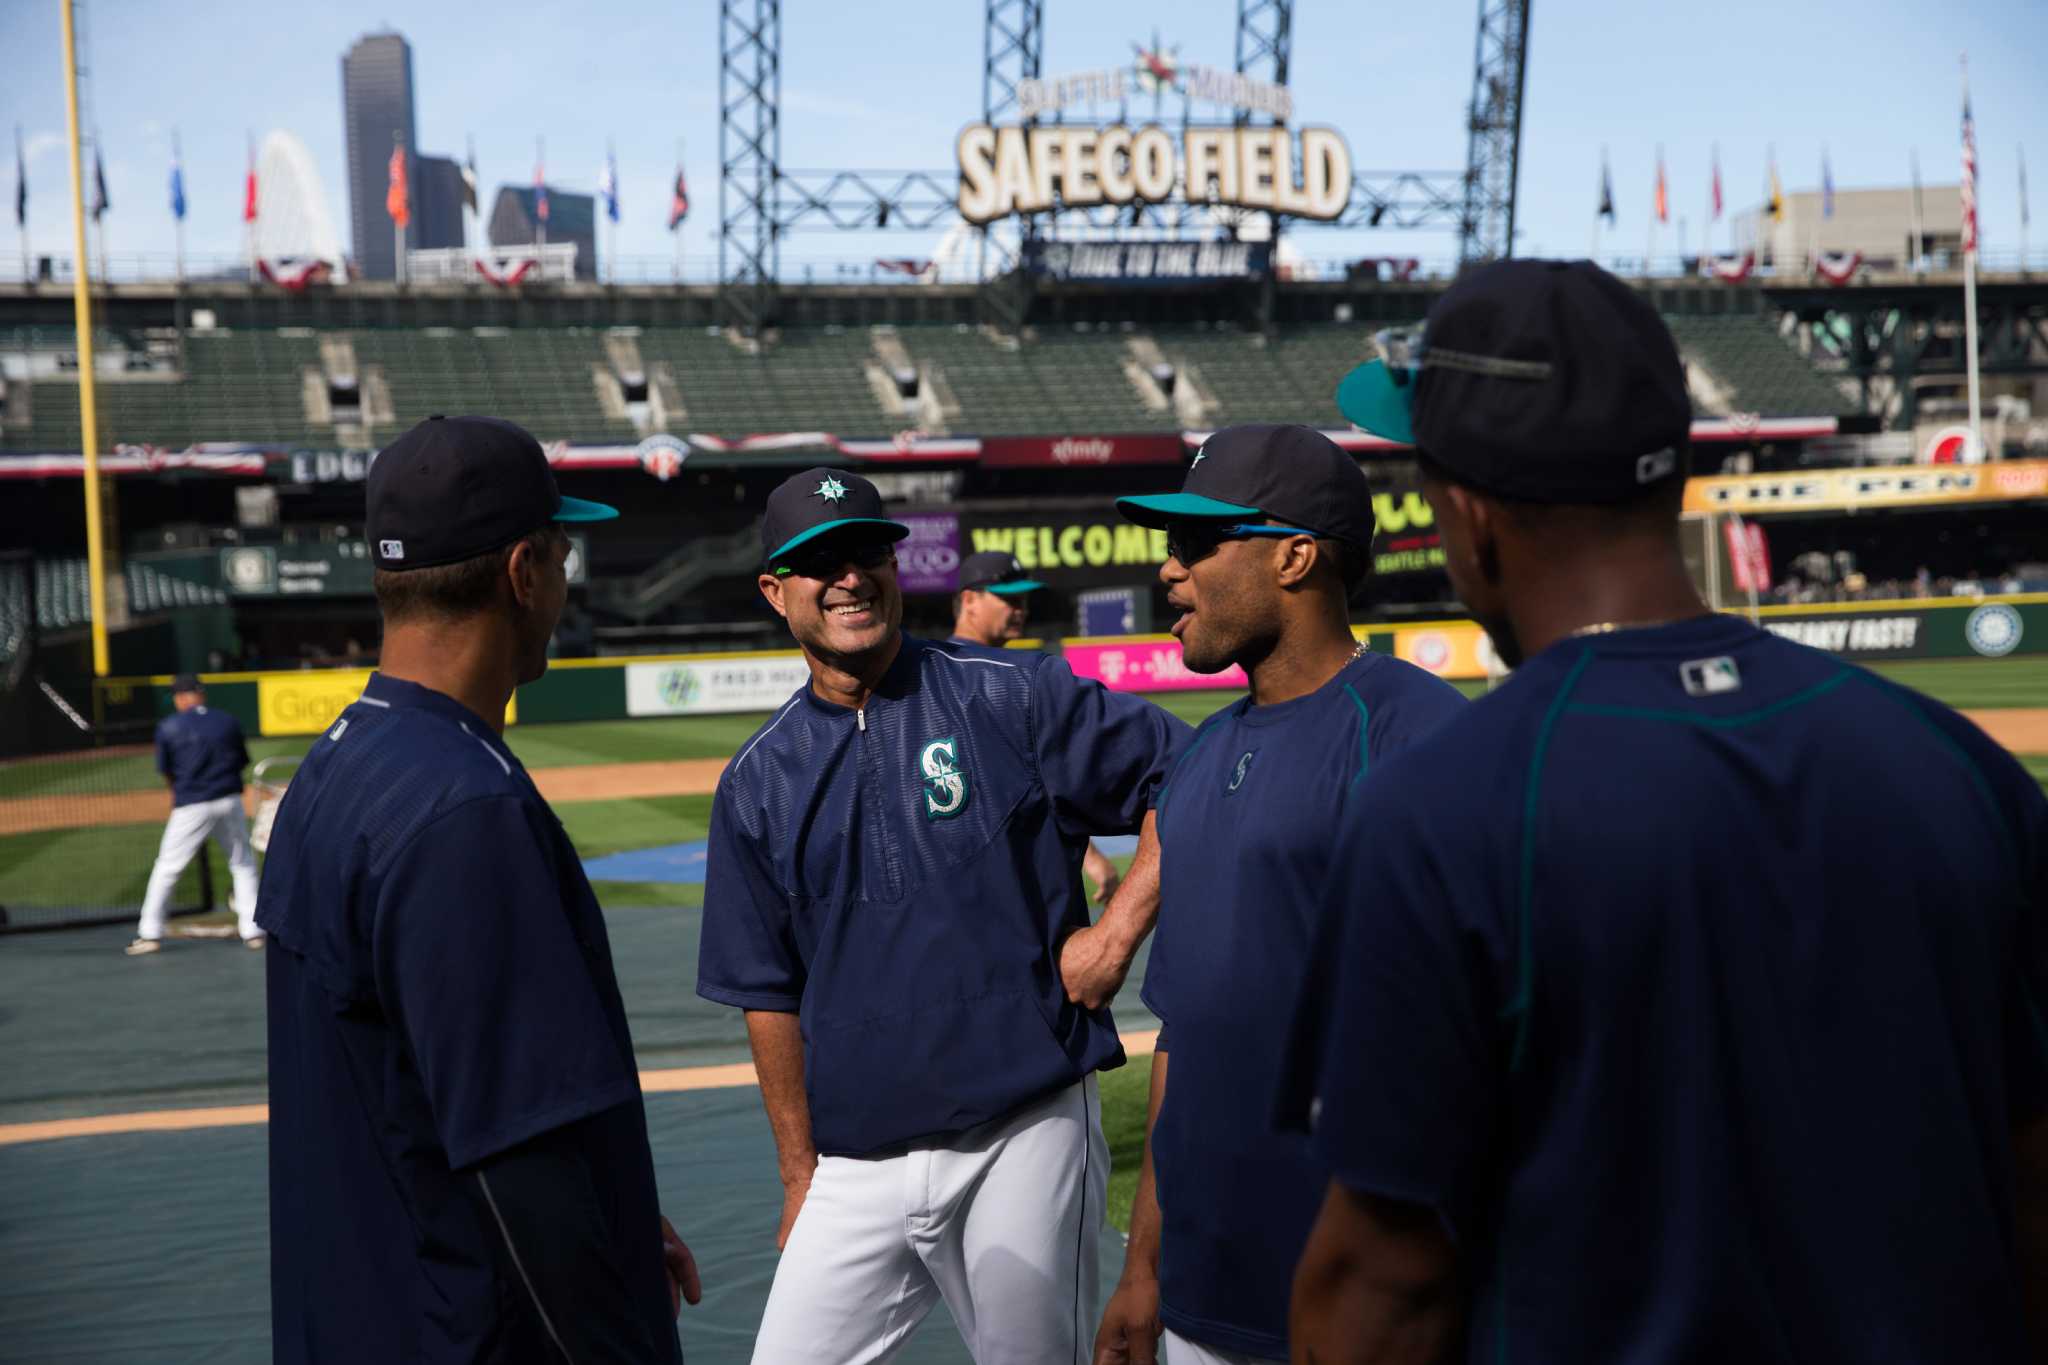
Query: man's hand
1129, 1334
792, 1204
684, 1285
1100, 870
1093, 963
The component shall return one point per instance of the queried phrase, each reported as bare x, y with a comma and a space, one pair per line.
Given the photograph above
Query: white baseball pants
184, 833
1175, 1349
1002, 1223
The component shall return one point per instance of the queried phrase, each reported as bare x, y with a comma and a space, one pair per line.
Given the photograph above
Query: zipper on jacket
860, 718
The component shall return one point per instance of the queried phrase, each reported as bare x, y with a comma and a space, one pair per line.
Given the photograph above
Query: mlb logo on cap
391, 549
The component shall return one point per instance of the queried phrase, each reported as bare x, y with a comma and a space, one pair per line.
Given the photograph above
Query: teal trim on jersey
1734, 722
1207, 728
1364, 728
1532, 799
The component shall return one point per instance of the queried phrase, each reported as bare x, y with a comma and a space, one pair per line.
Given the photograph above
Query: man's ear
771, 588
521, 570
1297, 557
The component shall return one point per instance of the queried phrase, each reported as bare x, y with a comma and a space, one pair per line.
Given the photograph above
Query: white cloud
37, 145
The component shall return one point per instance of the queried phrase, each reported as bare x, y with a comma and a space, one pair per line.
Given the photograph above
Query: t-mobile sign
928, 559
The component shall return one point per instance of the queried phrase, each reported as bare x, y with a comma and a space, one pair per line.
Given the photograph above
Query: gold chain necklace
1609, 627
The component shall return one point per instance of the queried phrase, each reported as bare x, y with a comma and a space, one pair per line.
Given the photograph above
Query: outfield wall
304, 702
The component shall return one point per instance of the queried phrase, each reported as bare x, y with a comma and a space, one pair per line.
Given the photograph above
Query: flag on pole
469, 179
177, 182
608, 185
249, 190
20, 183
1777, 201
1663, 194
679, 202
1606, 190
1716, 216
396, 202
540, 193
1827, 186
1969, 176
2025, 218
100, 202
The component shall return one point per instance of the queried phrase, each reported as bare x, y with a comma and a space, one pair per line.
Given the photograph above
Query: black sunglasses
1191, 542
825, 561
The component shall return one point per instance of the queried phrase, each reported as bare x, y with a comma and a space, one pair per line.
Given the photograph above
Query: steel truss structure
1486, 226
760, 202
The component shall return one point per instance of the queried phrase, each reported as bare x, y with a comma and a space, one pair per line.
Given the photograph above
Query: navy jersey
1247, 829
440, 990
1694, 979
202, 753
900, 876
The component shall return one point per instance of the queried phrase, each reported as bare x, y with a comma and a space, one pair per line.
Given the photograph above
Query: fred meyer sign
1012, 169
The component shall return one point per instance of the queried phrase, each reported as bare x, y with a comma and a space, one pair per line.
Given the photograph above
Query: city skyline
1603, 75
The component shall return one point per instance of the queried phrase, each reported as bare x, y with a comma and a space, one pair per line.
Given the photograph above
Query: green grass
1124, 1094
1973, 684
601, 827
104, 869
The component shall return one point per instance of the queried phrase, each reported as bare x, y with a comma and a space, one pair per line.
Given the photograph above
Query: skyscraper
436, 202
376, 102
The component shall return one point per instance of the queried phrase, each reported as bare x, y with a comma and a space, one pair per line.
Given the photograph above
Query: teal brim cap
1373, 402
1157, 509
1014, 588
895, 530
582, 509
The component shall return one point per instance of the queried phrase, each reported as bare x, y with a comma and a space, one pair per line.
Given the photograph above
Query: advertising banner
1147, 262
1146, 666
1897, 630
1071, 452
1456, 649
1839, 490
340, 568
928, 560
713, 686
308, 702
1067, 550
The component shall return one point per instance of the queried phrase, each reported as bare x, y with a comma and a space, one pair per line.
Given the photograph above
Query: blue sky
887, 87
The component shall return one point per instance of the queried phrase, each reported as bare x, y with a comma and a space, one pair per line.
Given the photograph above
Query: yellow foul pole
96, 563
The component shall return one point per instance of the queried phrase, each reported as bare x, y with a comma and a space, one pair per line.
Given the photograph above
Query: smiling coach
893, 897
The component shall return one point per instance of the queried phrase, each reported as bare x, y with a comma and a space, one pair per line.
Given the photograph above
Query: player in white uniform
200, 753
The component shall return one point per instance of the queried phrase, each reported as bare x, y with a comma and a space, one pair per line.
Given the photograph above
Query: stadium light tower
749, 159
1486, 230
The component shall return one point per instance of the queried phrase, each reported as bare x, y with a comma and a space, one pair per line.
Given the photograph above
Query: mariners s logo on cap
945, 786
830, 489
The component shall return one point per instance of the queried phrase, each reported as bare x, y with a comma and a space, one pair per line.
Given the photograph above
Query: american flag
1969, 176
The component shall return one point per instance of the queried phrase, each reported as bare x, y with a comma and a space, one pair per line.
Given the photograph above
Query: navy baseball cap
1544, 381
807, 505
454, 488
1293, 474
996, 571
185, 682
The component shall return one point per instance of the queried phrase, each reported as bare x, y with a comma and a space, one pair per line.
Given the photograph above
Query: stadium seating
64, 593
248, 385
1756, 367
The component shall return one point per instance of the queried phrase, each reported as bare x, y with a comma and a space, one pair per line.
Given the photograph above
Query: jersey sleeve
163, 749
1427, 702
479, 963
1395, 1064
1101, 754
241, 744
747, 953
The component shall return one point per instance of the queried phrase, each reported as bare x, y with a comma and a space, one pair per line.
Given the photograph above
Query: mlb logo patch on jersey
1710, 677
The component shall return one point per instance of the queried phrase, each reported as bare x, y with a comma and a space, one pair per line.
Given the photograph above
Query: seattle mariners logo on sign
945, 786
1237, 774
1993, 630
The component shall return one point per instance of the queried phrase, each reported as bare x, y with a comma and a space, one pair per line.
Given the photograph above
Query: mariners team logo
1239, 771
1993, 630
945, 786
830, 489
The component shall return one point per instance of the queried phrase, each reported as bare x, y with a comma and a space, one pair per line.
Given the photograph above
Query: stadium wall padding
595, 689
